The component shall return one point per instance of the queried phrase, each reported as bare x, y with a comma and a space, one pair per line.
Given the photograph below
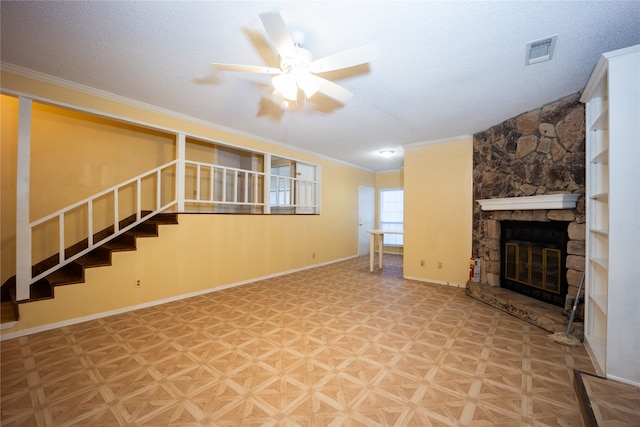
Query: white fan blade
247, 68
345, 59
279, 34
331, 89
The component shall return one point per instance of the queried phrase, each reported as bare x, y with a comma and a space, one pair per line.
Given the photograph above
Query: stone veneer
538, 152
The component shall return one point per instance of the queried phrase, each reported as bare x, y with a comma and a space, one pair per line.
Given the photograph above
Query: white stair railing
290, 192
24, 281
210, 184
215, 184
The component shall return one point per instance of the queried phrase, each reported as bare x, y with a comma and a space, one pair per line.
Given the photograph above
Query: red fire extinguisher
472, 265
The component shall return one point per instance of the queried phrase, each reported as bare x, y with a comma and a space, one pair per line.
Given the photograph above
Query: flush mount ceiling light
298, 71
540, 50
386, 153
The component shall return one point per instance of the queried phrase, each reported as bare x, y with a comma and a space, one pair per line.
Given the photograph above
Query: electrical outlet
421, 263
137, 283
439, 265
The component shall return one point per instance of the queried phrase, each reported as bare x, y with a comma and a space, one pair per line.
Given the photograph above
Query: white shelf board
600, 231
600, 302
601, 261
601, 197
602, 122
601, 158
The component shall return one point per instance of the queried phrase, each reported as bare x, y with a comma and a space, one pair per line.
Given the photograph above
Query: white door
366, 217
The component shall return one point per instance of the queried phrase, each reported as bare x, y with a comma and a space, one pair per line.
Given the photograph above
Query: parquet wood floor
331, 346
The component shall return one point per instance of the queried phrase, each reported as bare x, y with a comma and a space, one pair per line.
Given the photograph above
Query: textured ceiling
445, 68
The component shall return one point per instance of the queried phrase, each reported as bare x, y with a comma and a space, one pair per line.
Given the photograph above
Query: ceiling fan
298, 71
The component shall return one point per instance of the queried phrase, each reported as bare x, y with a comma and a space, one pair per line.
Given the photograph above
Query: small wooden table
372, 245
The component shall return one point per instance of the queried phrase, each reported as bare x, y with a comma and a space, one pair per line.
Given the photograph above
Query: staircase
74, 271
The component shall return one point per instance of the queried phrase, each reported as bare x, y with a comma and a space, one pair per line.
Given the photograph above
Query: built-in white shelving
612, 98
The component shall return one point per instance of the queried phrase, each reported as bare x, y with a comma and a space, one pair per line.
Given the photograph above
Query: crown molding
437, 141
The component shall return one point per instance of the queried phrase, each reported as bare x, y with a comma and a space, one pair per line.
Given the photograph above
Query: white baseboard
438, 282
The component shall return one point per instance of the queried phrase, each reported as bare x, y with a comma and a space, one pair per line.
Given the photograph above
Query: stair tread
64, 277
115, 246
165, 218
143, 233
90, 260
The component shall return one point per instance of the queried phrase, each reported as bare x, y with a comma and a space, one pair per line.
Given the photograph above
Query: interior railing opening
204, 176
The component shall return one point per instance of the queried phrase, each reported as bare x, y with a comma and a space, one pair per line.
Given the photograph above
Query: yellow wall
95, 154
438, 211
203, 251
389, 179
9, 136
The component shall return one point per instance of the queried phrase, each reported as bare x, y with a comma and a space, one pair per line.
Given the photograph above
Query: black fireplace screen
534, 259
533, 266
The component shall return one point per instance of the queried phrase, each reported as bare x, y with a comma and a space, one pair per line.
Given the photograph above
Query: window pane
392, 215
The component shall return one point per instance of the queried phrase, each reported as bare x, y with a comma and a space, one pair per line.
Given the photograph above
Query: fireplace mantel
547, 201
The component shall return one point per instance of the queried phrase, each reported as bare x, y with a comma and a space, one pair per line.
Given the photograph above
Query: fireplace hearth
533, 259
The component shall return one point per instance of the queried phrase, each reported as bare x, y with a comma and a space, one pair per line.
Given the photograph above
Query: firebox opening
533, 259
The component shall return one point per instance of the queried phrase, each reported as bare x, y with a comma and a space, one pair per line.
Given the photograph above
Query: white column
23, 230
267, 183
180, 170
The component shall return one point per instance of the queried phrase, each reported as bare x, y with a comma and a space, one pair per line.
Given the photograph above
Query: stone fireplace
532, 240
530, 169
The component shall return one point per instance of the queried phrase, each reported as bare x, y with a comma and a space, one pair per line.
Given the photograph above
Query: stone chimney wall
536, 153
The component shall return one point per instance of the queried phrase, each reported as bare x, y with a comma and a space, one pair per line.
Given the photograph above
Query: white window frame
391, 224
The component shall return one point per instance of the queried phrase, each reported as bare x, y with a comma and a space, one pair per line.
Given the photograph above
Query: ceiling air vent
540, 50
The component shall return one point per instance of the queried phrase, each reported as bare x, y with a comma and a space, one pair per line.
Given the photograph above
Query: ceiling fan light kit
298, 72
295, 76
